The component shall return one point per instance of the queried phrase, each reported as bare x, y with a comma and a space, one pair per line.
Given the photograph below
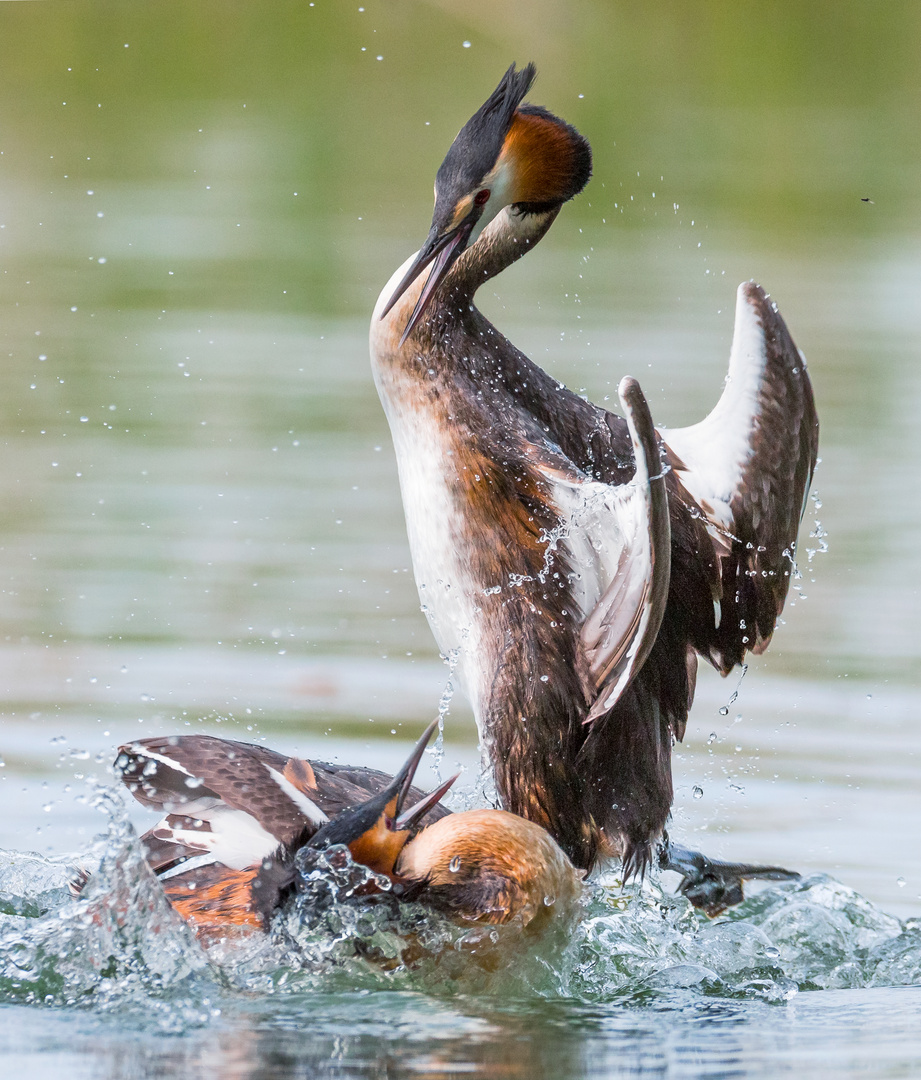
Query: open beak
399, 788
403, 780
442, 248
411, 817
376, 830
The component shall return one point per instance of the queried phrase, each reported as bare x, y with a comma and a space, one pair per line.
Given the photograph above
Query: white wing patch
307, 806
192, 863
717, 450
236, 839
595, 530
618, 541
144, 753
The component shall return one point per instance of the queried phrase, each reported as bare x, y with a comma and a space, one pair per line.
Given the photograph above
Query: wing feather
746, 469
620, 631
237, 803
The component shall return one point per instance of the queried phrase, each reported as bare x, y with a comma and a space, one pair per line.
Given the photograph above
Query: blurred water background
200, 523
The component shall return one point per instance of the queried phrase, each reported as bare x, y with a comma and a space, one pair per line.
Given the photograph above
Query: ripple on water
121, 946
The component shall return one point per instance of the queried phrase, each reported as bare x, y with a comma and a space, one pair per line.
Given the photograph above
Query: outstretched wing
736, 492
745, 471
194, 774
235, 803
616, 537
227, 802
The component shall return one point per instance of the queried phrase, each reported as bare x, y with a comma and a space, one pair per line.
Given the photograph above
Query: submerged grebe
236, 815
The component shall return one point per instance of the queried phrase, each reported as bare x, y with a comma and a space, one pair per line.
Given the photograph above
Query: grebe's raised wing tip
621, 630
748, 467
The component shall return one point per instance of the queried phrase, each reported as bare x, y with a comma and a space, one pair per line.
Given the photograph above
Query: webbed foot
712, 885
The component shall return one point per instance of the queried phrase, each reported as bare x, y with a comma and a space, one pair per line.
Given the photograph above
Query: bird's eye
482, 197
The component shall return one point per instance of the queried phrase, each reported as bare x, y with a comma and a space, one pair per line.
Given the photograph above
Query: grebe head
507, 154
491, 866
376, 831
485, 865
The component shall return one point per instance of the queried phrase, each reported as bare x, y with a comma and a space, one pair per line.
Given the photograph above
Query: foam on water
120, 946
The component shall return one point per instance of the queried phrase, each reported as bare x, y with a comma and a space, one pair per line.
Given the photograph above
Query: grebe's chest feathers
497, 512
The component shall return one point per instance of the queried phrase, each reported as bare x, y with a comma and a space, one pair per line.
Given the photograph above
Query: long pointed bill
411, 817
444, 251
371, 829
403, 780
433, 244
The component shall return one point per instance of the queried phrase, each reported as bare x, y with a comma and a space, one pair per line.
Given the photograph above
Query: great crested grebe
237, 814
577, 563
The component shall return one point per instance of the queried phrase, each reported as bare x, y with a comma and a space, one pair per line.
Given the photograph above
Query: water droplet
545, 678
454, 864
698, 792
724, 710
711, 738
901, 882
549, 901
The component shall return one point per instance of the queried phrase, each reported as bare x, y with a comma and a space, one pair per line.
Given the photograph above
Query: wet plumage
237, 815
575, 606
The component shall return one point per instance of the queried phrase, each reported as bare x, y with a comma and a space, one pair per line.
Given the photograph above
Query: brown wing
744, 473
195, 775
234, 804
736, 493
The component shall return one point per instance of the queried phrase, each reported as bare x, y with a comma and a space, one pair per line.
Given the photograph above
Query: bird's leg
709, 884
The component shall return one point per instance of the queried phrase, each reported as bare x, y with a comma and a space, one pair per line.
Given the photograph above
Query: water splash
121, 947
444, 707
817, 532
734, 696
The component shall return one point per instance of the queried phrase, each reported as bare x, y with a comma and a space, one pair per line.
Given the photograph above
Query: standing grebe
236, 816
575, 575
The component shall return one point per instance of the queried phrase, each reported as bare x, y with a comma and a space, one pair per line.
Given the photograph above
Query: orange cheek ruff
378, 848
542, 155
225, 903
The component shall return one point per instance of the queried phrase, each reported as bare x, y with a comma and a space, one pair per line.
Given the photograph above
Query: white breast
433, 522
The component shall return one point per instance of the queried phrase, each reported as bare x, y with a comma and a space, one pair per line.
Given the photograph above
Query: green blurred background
226, 186
249, 175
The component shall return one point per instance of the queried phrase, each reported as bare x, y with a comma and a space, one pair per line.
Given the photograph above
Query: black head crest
479, 142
